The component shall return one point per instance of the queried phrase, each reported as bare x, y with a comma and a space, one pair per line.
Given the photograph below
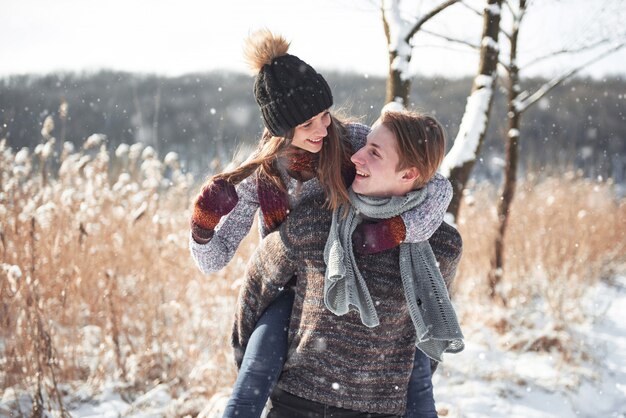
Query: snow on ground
482, 381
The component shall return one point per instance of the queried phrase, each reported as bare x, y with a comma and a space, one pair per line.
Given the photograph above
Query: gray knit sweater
336, 360
420, 223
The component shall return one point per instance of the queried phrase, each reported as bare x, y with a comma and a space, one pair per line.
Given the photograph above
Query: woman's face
310, 135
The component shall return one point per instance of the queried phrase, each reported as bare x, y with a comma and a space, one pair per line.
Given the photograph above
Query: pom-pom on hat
288, 90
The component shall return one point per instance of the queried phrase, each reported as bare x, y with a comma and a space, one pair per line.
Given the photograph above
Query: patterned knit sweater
420, 223
336, 360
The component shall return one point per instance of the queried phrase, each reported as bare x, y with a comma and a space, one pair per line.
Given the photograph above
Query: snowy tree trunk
511, 161
398, 84
510, 182
399, 33
459, 162
397, 87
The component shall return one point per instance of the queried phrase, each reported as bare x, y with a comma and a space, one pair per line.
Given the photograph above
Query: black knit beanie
290, 92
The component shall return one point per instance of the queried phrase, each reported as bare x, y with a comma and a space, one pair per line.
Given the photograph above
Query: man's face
376, 165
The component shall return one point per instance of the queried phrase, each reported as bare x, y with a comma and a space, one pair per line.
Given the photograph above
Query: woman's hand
372, 238
216, 199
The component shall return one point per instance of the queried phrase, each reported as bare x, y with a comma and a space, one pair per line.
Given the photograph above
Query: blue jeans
420, 402
263, 360
266, 353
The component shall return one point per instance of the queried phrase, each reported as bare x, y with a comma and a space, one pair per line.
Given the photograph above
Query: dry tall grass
97, 284
564, 235
97, 281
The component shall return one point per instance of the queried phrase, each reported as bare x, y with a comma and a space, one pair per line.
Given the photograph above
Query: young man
357, 316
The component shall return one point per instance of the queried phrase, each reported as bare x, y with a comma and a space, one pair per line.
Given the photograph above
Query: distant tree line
207, 117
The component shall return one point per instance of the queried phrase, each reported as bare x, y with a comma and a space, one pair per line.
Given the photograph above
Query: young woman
304, 151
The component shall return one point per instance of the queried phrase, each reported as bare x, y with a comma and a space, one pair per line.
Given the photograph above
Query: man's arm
268, 271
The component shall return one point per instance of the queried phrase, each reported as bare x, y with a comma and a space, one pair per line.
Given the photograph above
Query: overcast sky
176, 37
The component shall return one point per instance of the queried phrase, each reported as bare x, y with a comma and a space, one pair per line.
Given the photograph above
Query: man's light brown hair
421, 142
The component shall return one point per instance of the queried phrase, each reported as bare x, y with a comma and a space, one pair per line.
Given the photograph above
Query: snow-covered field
125, 325
484, 380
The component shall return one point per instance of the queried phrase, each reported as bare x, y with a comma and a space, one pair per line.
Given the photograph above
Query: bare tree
460, 160
400, 33
518, 102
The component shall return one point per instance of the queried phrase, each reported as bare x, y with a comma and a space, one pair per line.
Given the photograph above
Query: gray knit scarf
431, 311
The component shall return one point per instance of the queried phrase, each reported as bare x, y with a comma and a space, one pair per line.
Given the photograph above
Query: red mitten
216, 199
372, 238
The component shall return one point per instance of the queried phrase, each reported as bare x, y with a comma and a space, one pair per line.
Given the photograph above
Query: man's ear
411, 174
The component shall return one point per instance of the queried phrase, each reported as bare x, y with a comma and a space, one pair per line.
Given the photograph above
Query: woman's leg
263, 360
420, 402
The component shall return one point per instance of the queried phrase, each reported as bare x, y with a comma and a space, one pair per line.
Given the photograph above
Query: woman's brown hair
334, 157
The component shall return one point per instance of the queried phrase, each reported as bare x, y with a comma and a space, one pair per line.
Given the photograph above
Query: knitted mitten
372, 238
274, 205
216, 199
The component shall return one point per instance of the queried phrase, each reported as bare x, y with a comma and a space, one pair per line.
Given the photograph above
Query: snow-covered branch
400, 32
398, 27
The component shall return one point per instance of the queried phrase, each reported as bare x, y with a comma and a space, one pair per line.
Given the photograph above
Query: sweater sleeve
423, 220
447, 246
215, 254
268, 271
357, 135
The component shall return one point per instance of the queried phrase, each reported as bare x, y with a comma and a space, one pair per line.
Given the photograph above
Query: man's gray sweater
336, 360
